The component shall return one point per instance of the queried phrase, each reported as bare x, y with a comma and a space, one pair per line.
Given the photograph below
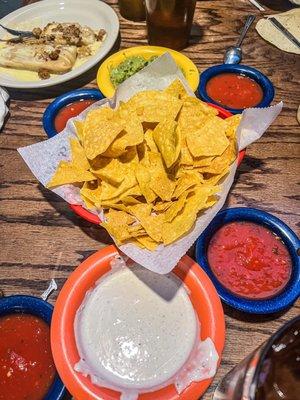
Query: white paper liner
43, 158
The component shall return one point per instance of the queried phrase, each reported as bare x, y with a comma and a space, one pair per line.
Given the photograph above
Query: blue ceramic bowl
62, 101
261, 79
42, 309
274, 304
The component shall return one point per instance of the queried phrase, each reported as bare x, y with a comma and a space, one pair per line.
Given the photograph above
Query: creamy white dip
136, 330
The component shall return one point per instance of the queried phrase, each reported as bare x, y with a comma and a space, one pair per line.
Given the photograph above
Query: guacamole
127, 68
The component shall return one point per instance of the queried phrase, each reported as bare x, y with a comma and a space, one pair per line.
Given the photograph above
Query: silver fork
14, 32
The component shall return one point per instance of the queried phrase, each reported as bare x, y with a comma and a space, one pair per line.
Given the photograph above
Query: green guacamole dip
128, 68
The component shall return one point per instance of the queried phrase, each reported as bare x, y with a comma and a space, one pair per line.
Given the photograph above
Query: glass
169, 22
271, 372
133, 10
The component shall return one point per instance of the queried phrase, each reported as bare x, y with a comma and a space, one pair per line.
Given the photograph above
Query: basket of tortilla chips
152, 164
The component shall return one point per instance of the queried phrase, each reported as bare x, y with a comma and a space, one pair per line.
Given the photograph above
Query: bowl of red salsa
27, 369
252, 258
66, 106
235, 87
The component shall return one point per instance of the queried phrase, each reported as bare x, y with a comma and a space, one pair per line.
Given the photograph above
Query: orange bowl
203, 296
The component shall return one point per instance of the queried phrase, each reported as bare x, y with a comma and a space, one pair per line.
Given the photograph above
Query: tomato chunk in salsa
249, 260
69, 111
234, 90
26, 365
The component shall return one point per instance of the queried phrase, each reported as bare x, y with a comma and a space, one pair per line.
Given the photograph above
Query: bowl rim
282, 300
48, 123
35, 306
103, 79
253, 73
63, 100
71, 296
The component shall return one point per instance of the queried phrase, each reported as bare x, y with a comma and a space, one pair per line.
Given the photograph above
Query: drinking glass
271, 372
169, 22
133, 10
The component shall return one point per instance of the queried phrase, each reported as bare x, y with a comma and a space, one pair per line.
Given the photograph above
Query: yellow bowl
187, 66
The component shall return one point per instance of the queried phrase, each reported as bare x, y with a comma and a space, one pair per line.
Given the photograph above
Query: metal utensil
283, 30
18, 33
233, 54
51, 288
257, 5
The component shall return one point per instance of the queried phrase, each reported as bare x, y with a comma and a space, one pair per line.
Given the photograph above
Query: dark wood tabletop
41, 238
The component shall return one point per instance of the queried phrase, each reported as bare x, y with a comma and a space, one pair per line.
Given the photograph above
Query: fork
14, 32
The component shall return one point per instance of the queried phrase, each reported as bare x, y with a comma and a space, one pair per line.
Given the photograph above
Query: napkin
4, 96
42, 158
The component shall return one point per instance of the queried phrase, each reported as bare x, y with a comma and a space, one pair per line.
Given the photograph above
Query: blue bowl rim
274, 304
265, 83
42, 309
61, 101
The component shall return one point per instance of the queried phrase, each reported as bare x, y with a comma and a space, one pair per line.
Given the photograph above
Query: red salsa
234, 90
249, 260
69, 111
26, 365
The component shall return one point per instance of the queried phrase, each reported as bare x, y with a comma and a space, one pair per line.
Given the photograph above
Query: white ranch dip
135, 329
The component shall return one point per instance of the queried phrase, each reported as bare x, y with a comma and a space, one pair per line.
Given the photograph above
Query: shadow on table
57, 90
248, 164
279, 5
251, 318
196, 34
95, 232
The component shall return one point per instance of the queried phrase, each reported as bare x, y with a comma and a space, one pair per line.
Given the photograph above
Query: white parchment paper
43, 158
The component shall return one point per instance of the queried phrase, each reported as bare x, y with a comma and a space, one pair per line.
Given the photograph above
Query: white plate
93, 13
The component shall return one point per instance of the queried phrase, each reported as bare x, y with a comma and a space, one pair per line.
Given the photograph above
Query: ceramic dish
261, 79
203, 297
76, 95
42, 309
64, 100
281, 300
95, 14
187, 66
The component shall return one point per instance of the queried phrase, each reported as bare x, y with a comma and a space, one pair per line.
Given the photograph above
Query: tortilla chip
177, 89
167, 139
101, 128
151, 223
79, 129
147, 242
160, 183
153, 105
66, 173
210, 140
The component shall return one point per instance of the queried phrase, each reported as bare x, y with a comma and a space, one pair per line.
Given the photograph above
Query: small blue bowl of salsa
252, 257
26, 365
66, 106
235, 87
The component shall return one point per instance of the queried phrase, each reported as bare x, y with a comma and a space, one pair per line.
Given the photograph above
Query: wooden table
41, 238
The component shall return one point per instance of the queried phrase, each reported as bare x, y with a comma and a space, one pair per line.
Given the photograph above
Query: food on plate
26, 366
69, 111
137, 331
151, 165
44, 59
72, 34
234, 90
291, 21
127, 68
54, 49
249, 260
